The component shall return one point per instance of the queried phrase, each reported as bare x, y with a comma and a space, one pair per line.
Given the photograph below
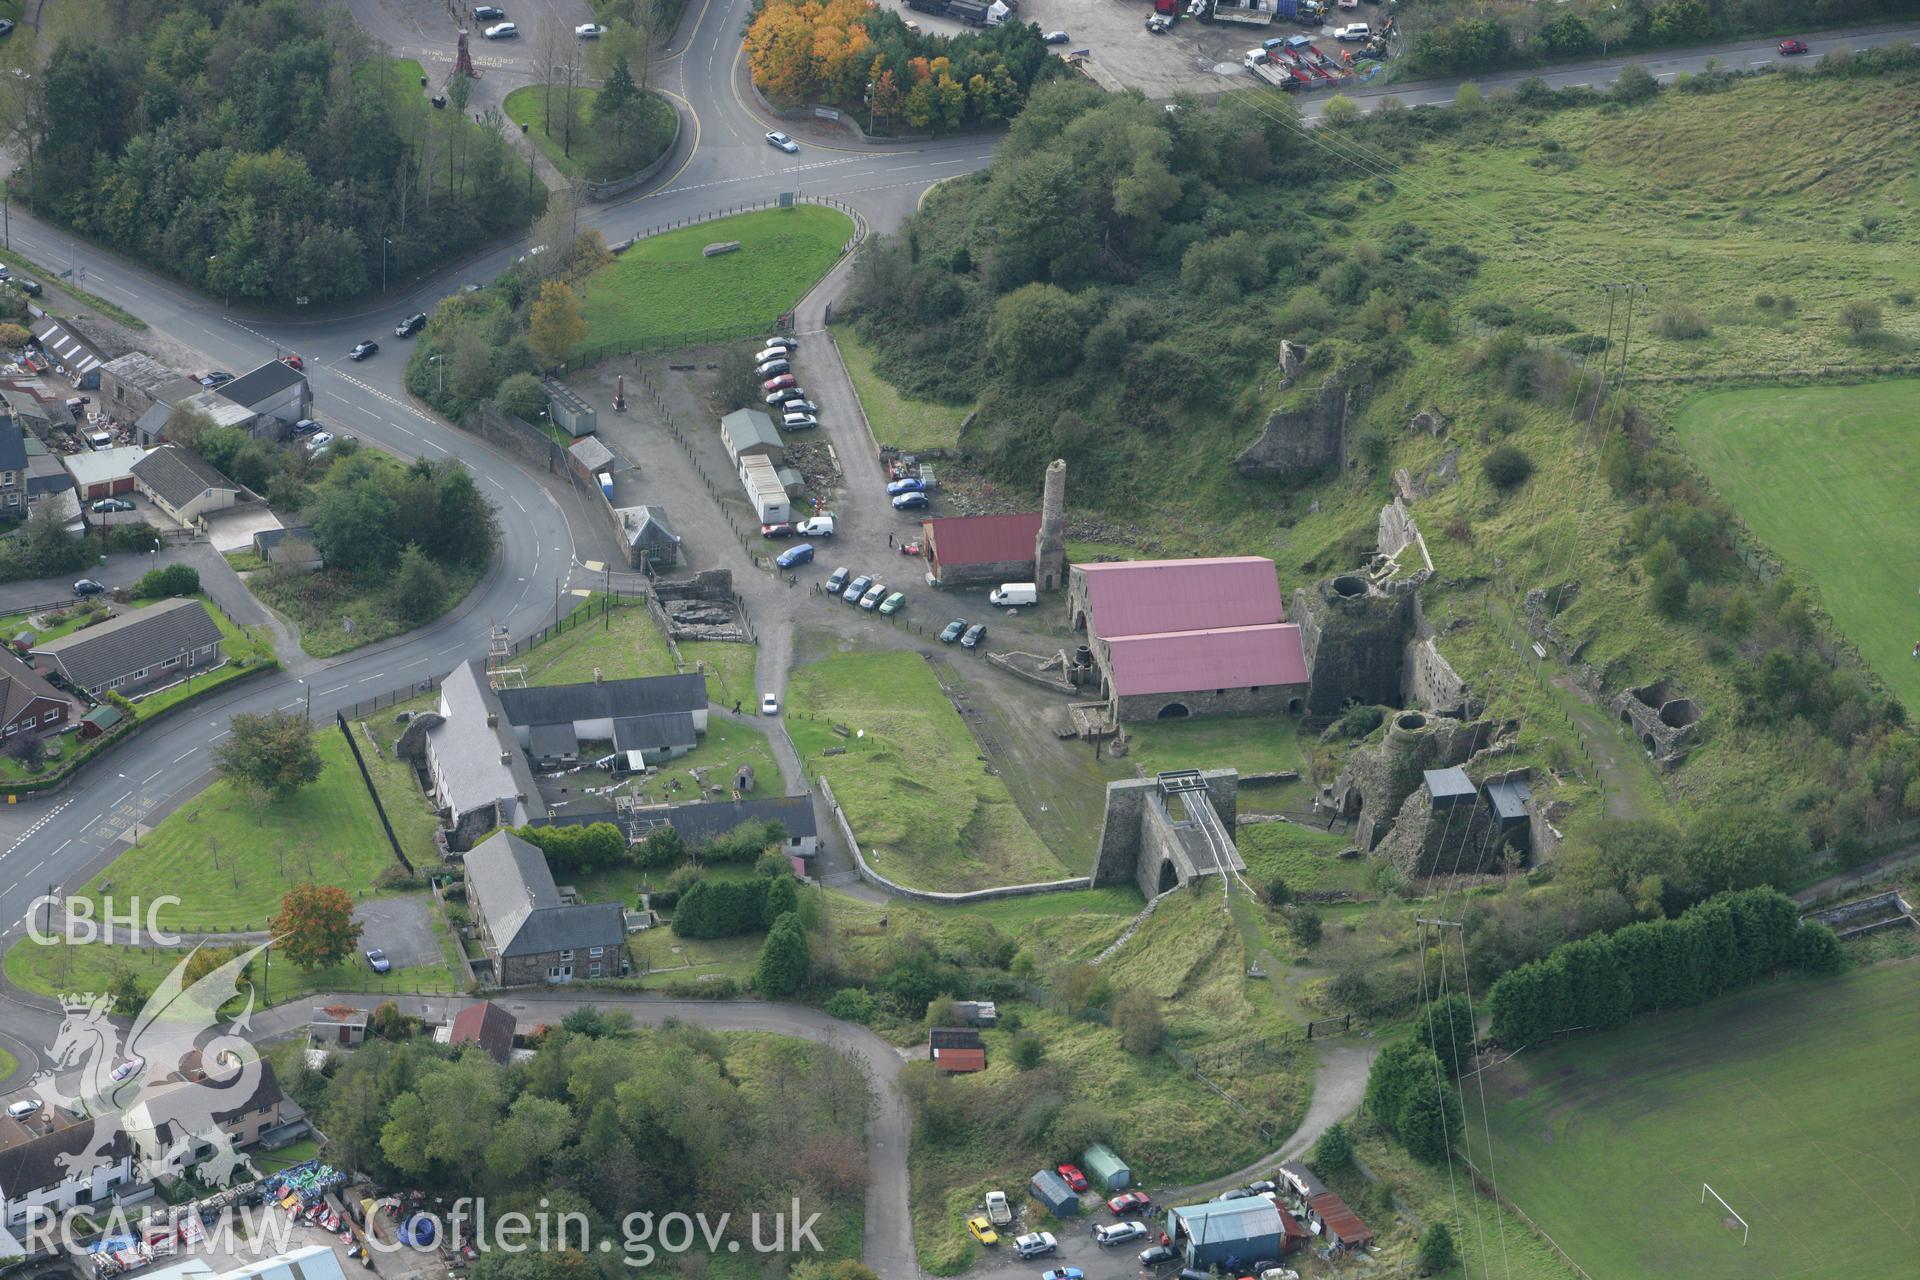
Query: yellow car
982, 1230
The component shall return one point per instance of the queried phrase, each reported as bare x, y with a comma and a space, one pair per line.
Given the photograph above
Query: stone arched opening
1173, 711
1296, 705
1169, 879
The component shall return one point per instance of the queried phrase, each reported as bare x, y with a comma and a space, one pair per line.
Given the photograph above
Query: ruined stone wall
1269, 699
1299, 441
1428, 680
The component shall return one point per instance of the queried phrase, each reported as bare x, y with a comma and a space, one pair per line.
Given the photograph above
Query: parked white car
1358, 31
589, 31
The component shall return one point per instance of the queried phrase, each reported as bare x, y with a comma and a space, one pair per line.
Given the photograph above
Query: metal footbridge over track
1206, 838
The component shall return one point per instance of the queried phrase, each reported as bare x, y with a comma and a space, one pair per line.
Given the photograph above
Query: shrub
1507, 467
520, 396
1861, 319
1681, 322
1303, 925
1503, 420
169, 580
1279, 893
1437, 1253
1903, 298
1764, 301
1136, 1015
1634, 84
854, 1004
1027, 1050
1334, 1152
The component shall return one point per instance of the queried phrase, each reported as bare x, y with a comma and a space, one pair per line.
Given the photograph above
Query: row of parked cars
773, 364
866, 592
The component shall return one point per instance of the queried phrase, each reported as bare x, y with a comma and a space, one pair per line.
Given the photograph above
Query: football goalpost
1706, 1191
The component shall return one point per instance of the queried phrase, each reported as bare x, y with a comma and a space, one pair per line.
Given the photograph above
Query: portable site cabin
1109, 1170
1051, 1190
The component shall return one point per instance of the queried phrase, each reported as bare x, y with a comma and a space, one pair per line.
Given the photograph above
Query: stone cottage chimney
1050, 544
598, 676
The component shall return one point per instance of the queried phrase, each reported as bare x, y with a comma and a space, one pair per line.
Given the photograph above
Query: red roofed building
1342, 1225
980, 551
487, 1025
1174, 638
956, 1050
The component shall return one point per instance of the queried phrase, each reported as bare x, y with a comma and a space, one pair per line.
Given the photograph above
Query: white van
1013, 593
22, 1109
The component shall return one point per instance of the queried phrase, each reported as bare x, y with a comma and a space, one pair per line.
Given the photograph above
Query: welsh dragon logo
163, 1087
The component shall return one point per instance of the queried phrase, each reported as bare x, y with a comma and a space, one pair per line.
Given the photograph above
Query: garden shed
1051, 1190
1100, 1164
570, 413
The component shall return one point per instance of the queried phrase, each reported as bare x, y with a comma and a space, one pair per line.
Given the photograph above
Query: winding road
721, 160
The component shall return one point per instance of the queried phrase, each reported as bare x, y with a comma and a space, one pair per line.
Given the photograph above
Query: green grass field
594, 155
400, 794
928, 813
1793, 1101
229, 859
1824, 476
1303, 857
622, 644
663, 289
58, 968
914, 426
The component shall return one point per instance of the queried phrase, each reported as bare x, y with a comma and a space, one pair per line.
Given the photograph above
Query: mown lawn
898, 419
1824, 476
1305, 858
58, 968
664, 291
1783, 1098
729, 669
594, 154
928, 812
621, 644
230, 858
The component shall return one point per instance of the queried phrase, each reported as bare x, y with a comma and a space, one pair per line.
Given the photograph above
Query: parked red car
293, 362
780, 383
1790, 47
776, 531
1075, 1179
1129, 1202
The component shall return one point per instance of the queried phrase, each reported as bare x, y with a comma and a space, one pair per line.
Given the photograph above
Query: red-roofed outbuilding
487, 1025
980, 551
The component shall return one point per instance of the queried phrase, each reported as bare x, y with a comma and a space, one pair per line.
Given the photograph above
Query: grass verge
914, 426
927, 811
230, 858
665, 288
621, 643
51, 278
595, 156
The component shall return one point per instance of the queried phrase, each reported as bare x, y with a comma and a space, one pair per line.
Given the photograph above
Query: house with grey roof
531, 934
649, 537
183, 484
648, 718
291, 547
13, 466
144, 647
700, 824
478, 769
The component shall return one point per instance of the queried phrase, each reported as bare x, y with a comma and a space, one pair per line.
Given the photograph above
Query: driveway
398, 926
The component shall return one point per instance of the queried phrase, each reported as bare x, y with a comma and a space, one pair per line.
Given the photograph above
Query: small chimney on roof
598, 676
493, 720
506, 757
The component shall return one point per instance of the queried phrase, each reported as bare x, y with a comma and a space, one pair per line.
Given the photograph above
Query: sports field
1795, 1101
1825, 477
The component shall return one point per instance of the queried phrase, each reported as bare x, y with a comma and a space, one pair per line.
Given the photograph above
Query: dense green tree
271, 755
1446, 1027
1742, 846
419, 589
1430, 1121
168, 580
521, 396
1333, 1153
781, 898
1437, 1252
1037, 332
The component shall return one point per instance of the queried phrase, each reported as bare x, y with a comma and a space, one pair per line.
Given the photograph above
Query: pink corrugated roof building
1151, 597
1219, 658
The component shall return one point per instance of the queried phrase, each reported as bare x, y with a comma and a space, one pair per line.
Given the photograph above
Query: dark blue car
800, 554
909, 485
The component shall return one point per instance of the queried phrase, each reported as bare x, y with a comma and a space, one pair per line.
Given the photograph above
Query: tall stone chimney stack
1050, 546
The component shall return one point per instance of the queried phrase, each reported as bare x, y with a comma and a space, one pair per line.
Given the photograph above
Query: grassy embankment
927, 812
664, 291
